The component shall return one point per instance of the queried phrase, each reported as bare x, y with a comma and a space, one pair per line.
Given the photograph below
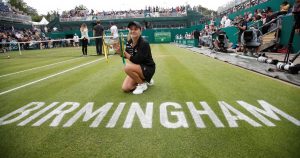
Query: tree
81, 7
19, 4
51, 15
36, 18
204, 11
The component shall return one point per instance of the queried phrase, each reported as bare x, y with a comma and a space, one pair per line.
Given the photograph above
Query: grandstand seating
274, 4
9, 13
84, 15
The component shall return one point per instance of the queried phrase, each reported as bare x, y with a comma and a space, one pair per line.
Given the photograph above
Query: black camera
238, 21
221, 37
248, 35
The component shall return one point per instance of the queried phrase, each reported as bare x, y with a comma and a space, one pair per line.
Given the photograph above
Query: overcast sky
43, 6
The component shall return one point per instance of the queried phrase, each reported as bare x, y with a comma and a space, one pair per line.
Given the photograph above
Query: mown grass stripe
13, 73
45, 78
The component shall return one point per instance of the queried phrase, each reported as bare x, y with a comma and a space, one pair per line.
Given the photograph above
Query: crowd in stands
7, 11
9, 36
78, 14
234, 7
34, 38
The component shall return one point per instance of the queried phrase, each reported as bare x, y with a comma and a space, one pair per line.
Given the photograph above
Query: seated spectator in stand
249, 16
223, 20
227, 22
284, 8
258, 14
264, 18
206, 28
256, 20
269, 17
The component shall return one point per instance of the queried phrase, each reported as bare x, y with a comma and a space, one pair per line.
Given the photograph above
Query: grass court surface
61, 75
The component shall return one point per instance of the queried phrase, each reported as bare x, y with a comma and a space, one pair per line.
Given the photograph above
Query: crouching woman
141, 67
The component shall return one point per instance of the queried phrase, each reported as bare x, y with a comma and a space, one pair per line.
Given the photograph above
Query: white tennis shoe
140, 88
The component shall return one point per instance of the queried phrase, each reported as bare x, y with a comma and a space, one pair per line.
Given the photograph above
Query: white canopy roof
42, 22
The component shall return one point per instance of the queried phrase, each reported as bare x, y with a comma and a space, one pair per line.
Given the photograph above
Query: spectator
223, 20
45, 29
284, 7
264, 18
269, 17
227, 22
76, 40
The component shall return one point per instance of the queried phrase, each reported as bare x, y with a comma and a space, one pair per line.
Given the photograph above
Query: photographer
241, 24
196, 37
221, 43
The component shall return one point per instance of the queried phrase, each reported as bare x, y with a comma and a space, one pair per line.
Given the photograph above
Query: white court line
45, 78
36, 68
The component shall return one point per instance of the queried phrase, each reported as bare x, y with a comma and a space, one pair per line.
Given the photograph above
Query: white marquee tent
42, 22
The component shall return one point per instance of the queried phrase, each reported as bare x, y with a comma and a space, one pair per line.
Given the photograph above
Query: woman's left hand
117, 48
